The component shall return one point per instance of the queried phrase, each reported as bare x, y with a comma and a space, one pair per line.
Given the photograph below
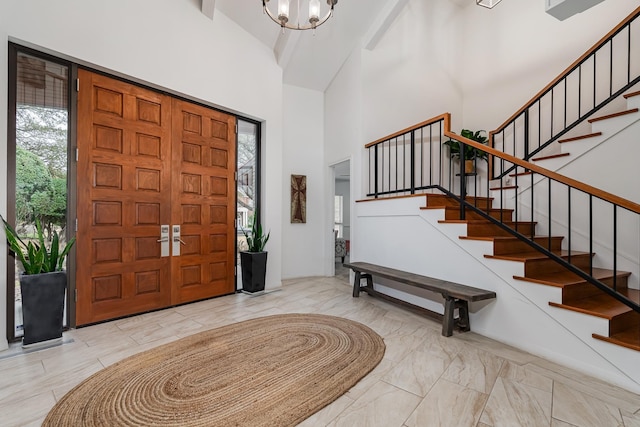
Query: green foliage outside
41, 155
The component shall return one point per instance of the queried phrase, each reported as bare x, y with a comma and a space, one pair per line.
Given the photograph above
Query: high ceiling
309, 60
312, 60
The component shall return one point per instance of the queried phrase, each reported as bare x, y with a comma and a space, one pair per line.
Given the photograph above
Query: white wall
409, 76
509, 53
302, 154
170, 44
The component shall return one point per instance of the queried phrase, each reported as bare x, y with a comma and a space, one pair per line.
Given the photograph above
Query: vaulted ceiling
312, 60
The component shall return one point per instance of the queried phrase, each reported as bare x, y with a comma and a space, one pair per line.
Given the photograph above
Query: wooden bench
455, 294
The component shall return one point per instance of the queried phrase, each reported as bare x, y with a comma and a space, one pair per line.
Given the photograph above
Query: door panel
147, 160
203, 201
124, 184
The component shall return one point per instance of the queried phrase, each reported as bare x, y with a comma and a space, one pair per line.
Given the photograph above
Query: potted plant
470, 153
43, 283
254, 259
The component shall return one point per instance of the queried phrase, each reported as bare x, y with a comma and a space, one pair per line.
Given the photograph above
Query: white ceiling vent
563, 9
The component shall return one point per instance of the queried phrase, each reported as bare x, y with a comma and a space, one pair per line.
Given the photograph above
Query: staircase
579, 142
546, 241
577, 294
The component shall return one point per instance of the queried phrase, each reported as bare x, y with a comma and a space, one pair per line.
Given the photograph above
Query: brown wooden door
132, 179
124, 184
204, 164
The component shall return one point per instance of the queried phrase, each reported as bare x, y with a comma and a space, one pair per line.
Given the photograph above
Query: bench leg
464, 324
369, 280
356, 285
448, 321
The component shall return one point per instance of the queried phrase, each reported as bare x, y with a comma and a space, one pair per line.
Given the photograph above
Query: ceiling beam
208, 6
285, 45
382, 23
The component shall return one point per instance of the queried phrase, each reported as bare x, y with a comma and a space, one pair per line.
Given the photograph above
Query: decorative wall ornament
298, 199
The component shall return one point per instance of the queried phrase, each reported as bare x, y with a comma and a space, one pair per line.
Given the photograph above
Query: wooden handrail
612, 198
446, 117
570, 68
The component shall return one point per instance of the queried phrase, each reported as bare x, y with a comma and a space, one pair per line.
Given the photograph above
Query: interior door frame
16, 46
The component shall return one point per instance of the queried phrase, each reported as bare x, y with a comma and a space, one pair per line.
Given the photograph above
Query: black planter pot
42, 306
254, 270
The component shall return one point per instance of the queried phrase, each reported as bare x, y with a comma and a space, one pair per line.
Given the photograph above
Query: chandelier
282, 18
487, 3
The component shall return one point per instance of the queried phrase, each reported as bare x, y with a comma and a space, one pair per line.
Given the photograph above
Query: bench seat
455, 295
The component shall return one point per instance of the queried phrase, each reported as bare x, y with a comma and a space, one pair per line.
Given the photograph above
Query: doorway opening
342, 217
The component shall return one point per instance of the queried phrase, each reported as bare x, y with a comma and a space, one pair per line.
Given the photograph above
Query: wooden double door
149, 163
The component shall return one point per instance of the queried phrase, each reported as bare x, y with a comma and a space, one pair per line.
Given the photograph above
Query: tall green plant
36, 257
256, 240
470, 152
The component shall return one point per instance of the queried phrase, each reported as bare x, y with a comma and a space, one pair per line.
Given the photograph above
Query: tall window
39, 152
248, 170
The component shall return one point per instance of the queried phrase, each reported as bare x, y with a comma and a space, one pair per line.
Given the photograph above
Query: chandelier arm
298, 26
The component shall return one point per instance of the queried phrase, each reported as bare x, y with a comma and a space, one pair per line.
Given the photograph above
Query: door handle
164, 240
176, 240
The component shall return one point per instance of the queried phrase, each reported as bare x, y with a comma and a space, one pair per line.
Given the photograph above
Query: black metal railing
606, 71
414, 161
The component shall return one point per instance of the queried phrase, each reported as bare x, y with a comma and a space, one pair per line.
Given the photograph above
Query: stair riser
623, 322
542, 266
614, 124
578, 291
455, 214
442, 200
488, 230
516, 246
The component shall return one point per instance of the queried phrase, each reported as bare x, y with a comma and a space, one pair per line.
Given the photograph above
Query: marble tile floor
423, 380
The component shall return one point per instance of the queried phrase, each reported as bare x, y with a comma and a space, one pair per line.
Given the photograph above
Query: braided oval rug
269, 371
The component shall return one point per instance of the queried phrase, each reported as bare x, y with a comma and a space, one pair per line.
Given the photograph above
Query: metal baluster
413, 162
590, 235
375, 157
615, 248
549, 247
463, 179
569, 222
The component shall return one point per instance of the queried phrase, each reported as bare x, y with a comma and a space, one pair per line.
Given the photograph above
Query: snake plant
35, 257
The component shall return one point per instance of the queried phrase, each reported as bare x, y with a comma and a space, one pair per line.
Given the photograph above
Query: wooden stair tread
632, 94
457, 208
433, 195
534, 255
553, 156
504, 238
520, 174
610, 116
629, 338
484, 221
565, 278
602, 305
577, 138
